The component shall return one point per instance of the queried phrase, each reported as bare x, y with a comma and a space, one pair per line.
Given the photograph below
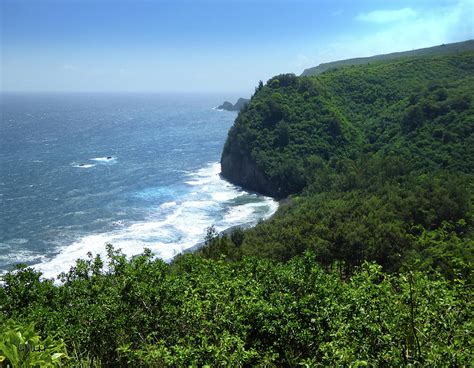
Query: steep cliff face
243, 171
266, 147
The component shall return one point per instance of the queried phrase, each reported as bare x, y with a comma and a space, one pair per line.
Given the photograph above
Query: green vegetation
377, 158
21, 346
366, 263
252, 312
429, 51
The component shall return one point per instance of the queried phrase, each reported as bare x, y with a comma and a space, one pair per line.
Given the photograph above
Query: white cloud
428, 27
387, 16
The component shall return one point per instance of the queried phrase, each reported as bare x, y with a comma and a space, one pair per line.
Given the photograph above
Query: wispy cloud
420, 29
401, 30
387, 16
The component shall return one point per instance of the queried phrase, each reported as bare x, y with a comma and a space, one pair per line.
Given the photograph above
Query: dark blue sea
78, 171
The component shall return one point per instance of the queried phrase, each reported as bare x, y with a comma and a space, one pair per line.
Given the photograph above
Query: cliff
294, 126
243, 171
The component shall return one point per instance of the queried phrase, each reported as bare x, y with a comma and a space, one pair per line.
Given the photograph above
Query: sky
206, 46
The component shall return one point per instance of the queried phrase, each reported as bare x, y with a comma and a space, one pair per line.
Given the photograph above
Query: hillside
429, 51
378, 159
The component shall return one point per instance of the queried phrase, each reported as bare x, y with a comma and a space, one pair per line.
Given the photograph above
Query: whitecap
21, 256
18, 241
196, 182
174, 226
223, 196
106, 159
83, 166
239, 214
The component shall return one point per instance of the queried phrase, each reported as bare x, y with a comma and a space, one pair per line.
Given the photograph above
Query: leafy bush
252, 312
21, 346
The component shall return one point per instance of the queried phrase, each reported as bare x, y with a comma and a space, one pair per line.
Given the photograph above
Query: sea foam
106, 159
174, 226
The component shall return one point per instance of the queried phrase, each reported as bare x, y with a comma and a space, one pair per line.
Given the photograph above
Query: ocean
80, 170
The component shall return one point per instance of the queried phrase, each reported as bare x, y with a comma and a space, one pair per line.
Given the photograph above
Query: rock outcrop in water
241, 102
226, 106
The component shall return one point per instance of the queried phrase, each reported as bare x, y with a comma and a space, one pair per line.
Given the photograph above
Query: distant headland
449, 48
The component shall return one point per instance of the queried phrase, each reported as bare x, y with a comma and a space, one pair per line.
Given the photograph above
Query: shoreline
229, 230
248, 223
244, 226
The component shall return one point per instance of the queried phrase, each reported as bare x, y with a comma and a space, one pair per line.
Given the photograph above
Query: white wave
21, 256
18, 241
168, 204
273, 207
104, 159
83, 166
223, 196
176, 226
239, 213
196, 182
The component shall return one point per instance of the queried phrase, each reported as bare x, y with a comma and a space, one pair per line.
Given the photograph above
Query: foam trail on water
104, 159
168, 204
83, 166
176, 225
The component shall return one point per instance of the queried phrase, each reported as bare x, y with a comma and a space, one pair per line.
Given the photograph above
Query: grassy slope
429, 51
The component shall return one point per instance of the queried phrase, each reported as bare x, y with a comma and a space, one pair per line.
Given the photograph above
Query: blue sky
206, 46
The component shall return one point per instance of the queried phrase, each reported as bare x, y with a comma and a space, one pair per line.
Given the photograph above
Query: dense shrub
253, 312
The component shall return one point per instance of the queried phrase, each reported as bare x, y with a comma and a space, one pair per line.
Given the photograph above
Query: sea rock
226, 106
241, 102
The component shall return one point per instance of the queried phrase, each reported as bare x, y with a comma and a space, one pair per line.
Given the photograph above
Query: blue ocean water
78, 171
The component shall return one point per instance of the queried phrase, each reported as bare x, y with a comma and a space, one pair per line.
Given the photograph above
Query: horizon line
118, 92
